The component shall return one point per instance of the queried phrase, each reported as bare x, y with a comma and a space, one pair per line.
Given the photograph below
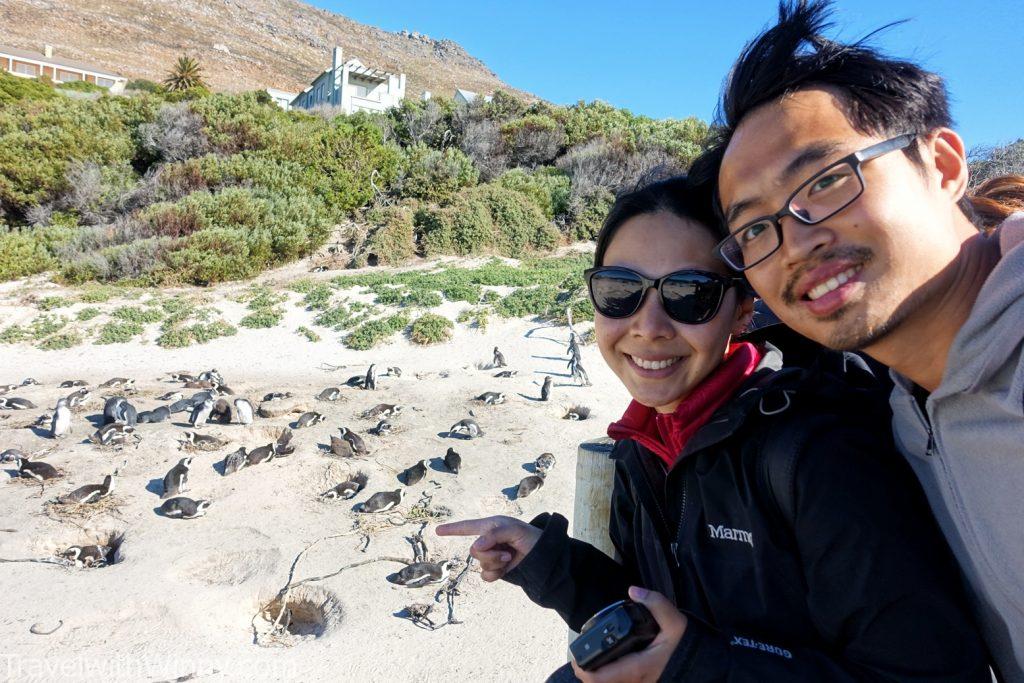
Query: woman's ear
744, 314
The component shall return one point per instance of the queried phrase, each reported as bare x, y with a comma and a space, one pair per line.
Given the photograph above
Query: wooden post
595, 475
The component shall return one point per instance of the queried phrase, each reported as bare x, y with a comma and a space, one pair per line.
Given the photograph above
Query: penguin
371, 377
203, 442
499, 359
491, 398
211, 376
341, 447
468, 425
578, 413
309, 419
184, 508
4, 388
284, 445
420, 574
117, 409
61, 419
277, 395
358, 445
394, 371
382, 501
36, 469
170, 396
201, 413
201, 384
507, 374
346, 489
182, 377
453, 461
77, 398
261, 454
68, 383
88, 555
181, 406
118, 383
382, 410
383, 428
200, 397
176, 478
28, 381
225, 390
545, 390
244, 411
12, 454
413, 475
356, 381
529, 484
235, 461
89, 493
221, 412
112, 434
158, 414
329, 394
544, 463
16, 403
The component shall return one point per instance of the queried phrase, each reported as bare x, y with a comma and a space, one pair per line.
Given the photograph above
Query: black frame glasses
693, 296
730, 249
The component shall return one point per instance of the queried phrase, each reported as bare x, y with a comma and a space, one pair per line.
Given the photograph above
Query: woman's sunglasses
690, 297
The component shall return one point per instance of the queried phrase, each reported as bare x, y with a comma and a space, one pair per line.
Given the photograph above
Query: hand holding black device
619, 629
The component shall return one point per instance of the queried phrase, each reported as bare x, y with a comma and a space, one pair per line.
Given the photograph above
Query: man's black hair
881, 96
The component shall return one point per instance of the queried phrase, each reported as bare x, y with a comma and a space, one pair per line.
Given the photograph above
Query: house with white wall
281, 98
351, 86
28, 64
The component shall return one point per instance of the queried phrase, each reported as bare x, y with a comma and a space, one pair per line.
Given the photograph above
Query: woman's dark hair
674, 195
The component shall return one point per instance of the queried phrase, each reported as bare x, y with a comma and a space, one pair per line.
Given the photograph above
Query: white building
36, 64
281, 98
352, 87
467, 96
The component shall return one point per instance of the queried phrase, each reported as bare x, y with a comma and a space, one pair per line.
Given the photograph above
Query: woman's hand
648, 664
502, 544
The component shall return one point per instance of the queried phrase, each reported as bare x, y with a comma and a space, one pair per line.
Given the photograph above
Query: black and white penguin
284, 445
341, 447
329, 394
12, 454
346, 489
499, 359
544, 462
35, 469
211, 376
467, 426
356, 381
78, 397
235, 461
578, 413
507, 374
221, 412
203, 442
118, 409
171, 396
453, 461
385, 500
277, 396
181, 406
394, 371
309, 419
420, 574
112, 434
88, 555
118, 383
201, 384
61, 422
370, 382
89, 493
413, 475
244, 411
176, 479
545, 390
28, 381
182, 377
184, 508
201, 413
358, 445
382, 410
69, 383
383, 428
261, 454
529, 484
158, 414
491, 398
17, 403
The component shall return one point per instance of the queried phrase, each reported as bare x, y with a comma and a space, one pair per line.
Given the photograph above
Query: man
842, 188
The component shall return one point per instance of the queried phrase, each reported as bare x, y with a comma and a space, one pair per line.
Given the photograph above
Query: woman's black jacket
854, 583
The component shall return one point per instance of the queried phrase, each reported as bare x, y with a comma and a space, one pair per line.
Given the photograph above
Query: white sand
181, 602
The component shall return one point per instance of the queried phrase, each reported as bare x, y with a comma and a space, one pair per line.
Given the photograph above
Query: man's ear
744, 313
950, 162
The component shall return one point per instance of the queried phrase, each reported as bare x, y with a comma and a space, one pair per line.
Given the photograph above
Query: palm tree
186, 74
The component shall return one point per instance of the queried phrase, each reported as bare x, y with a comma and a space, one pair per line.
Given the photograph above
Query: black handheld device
617, 630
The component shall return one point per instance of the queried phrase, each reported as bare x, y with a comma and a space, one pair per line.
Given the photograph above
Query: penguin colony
121, 425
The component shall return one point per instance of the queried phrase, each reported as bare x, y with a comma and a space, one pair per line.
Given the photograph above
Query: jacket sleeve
881, 584
572, 577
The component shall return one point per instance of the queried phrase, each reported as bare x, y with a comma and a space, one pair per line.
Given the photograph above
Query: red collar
665, 434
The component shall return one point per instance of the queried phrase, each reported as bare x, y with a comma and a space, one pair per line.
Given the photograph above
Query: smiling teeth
654, 364
832, 284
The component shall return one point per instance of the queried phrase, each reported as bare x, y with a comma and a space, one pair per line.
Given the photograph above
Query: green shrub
372, 332
97, 294
15, 334
318, 296
48, 303
463, 228
45, 325
119, 332
30, 250
478, 317
81, 86
87, 313
461, 291
588, 216
434, 175
519, 224
138, 315
392, 239
309, 334
528, 302
262, 318
61, 340
199, 333
431, 329
423, 298
143, 85
548, 188
14, 88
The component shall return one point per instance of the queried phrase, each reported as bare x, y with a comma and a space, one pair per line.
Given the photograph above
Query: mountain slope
242, 44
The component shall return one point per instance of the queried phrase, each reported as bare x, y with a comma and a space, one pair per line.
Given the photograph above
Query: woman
762, 514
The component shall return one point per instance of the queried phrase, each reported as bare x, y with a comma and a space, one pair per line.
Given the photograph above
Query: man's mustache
856, 255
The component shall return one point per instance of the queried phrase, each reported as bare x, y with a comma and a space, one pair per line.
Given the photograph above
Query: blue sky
667, 59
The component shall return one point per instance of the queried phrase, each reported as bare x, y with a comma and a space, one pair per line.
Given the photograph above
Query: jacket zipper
679, 529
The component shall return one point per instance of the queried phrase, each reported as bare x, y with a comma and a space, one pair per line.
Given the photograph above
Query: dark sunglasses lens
691, 299
616, 293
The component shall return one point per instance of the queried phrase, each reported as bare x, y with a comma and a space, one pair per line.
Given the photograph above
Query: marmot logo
728, 534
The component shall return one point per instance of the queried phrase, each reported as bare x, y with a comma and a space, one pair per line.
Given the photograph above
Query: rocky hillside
243, 44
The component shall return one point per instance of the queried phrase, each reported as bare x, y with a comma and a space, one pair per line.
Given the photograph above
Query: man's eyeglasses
690, 297
822, 196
